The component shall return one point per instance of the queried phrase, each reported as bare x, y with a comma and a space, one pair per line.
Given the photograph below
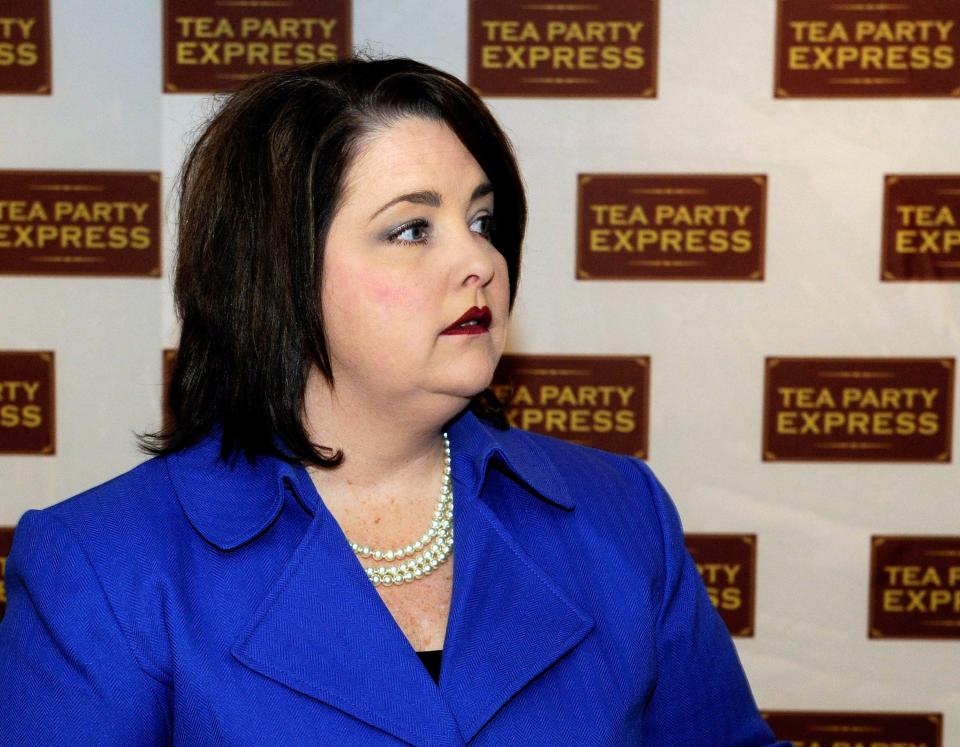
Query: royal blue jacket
192, 602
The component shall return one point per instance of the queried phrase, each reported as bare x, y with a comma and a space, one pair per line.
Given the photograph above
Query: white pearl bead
438, 540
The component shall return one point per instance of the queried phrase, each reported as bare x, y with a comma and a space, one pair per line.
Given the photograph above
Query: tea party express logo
858, 409
670, 227
851, 729
212, 45
600, 401
27, 424
727, 565
829, 48
604, 48
915, 587
25, 47
79, 223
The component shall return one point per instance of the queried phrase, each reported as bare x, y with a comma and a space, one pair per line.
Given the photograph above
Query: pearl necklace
427, 553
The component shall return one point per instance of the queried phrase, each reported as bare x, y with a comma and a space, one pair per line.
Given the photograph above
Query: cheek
387, 292
371, 303
502, 280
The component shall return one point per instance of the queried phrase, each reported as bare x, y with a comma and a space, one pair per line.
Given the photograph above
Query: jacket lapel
324, 632
508, 622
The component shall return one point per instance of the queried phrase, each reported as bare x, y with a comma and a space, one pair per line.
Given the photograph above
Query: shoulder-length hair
258, 192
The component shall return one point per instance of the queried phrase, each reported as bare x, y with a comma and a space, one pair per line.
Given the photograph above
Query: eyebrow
432, 198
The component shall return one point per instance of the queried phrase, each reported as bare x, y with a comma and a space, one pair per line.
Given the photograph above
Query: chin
468, 385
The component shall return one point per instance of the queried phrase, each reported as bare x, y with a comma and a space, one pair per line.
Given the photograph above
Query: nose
479, 260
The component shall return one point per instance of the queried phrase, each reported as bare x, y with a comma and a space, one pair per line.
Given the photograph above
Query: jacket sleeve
68, 674
702, 698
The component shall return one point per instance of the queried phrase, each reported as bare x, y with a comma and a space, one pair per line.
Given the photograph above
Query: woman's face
407, 255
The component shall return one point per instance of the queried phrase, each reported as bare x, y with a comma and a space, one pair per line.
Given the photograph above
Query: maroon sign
27, 418
670, 227
604, 48
600, 401
79, 223
169, 359
6, 542
915, 587
727, 564
827, 48
839, 729
25, 47
213, 45
859, 409
921, 227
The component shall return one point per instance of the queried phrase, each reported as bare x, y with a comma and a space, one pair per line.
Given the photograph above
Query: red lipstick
475, 321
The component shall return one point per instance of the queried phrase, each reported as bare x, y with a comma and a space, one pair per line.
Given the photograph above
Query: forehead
410, 154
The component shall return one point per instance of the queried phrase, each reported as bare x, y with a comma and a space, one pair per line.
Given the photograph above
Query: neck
390, 452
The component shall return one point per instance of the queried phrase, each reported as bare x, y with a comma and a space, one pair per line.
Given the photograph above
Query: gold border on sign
558, 81
254, 3
555, 371
667, 263
66, 187
870, 7
667, 191
866, 81
562, 7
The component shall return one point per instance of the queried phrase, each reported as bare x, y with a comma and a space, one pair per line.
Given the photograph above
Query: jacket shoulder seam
143, 662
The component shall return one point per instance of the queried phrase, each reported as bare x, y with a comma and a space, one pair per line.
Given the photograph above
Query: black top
431, 660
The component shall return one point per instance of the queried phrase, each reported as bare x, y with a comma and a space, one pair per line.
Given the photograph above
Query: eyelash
395, 234
420, 223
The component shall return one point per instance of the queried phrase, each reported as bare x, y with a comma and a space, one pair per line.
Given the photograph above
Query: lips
475, 321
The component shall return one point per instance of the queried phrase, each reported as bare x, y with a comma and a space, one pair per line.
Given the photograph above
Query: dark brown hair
258, 192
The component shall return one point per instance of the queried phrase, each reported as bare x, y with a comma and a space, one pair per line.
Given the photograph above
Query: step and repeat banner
742, 266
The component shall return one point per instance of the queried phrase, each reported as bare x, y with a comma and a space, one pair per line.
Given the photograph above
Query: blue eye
414, 232
483, 225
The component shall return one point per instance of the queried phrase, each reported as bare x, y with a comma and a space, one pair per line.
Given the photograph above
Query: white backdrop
715, 113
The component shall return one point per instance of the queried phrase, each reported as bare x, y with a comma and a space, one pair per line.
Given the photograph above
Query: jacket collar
230, 503
322, 629
475, 445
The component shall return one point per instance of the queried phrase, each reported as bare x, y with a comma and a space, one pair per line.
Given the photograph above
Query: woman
344, 289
